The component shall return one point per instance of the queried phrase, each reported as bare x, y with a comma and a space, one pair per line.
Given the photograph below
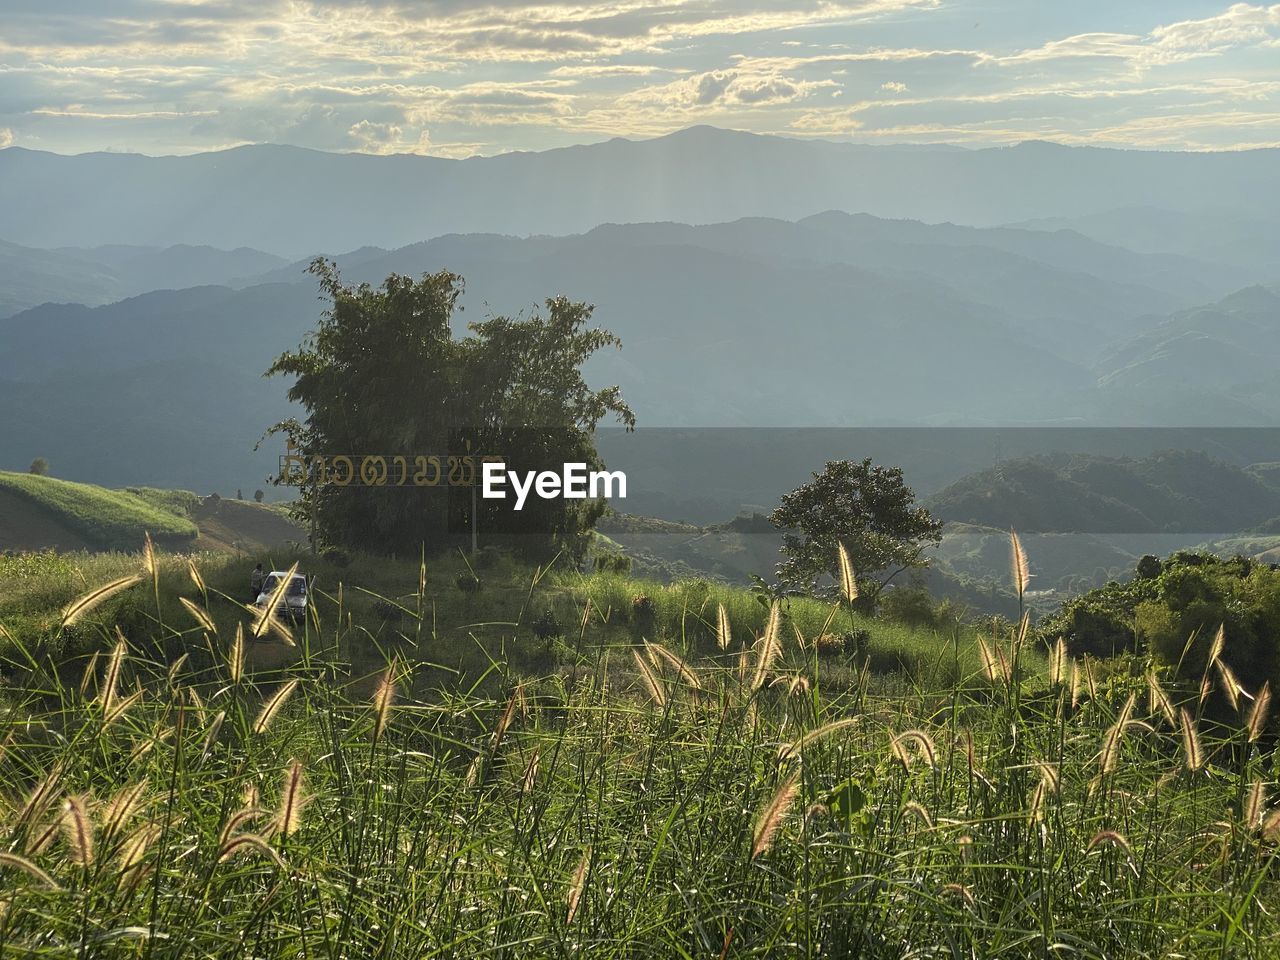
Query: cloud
377, 75
375, 137
6, 137
1241, 25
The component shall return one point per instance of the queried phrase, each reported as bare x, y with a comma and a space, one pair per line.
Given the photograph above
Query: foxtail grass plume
133, 850
78, 829
687, 675
1110, 752
120, 707
796, 747
14, 862
1158, 700
1230, 685
111, 678
1058, 663
1259, 712
90, 673
919, 811
1090, 679
81, 606
724, 631
211, 737
149, 556
1110, 838
1219, 643
1255, 804
40, 799
194, 573
293, 798
576, 886
990, 666
266, 617
924, 745
530, 778
504, 721
249, 843
848, 581
1019, 568
122, 807
1193, 753
199, 615
769, 646
652, 685
273, 705
770, 817
235, 656
383, 698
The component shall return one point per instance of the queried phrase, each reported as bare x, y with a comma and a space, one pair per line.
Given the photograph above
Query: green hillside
99, 518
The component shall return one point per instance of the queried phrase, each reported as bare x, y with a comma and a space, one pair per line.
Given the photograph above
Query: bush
612, 563
912, 606
546, 626
644, 611
1192, 596
1149, 567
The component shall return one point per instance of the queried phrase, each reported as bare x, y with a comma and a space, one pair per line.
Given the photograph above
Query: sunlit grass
167, 795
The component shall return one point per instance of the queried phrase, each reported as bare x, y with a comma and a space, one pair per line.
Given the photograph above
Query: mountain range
833, 320
291, 201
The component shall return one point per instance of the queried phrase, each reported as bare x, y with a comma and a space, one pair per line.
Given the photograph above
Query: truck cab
293, 604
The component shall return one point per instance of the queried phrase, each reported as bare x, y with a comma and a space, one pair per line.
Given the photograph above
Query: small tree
258, 495
867, 508
39, 466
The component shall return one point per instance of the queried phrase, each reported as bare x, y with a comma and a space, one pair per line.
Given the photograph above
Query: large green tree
869, 509
384, 374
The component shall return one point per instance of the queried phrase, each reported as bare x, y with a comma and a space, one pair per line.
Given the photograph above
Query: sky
451, 78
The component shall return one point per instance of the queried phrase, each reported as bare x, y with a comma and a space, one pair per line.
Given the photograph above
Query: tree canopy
869, 509
384, 374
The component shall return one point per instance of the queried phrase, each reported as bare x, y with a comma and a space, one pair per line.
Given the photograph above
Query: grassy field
414, 773
104, 519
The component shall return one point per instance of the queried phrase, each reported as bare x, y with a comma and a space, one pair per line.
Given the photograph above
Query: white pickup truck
293, 604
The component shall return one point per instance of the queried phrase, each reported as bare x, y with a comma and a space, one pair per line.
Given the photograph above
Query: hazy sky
452, 78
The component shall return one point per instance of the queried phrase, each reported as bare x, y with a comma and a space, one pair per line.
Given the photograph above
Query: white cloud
375, 137
6, 137
893, 86
1241, 25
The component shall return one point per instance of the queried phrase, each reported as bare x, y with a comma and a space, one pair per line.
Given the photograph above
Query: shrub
1149, 567
612, 563
644, 611
545, 626
912, 606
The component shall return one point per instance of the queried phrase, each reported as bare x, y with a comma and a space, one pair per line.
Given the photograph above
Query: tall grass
662, 805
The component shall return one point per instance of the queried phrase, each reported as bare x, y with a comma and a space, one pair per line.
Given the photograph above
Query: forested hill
1171, 492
